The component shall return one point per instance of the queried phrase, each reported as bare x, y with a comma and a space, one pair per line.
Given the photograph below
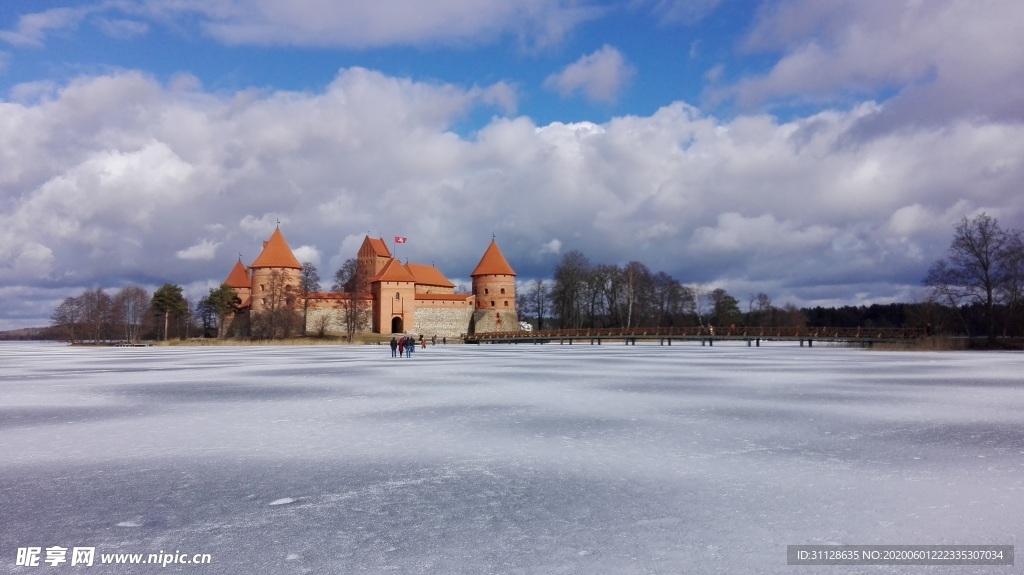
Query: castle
396, 297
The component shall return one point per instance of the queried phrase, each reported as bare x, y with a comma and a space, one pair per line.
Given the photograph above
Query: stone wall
333, 315
443, 321
486, 321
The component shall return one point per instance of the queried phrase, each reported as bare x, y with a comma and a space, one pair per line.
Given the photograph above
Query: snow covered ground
506, 459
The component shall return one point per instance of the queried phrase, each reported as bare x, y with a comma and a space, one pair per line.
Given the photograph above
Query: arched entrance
396, 325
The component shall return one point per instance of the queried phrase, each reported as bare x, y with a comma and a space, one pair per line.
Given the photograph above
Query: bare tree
760, 309
67, 317
308, 283
791, 316
636, 284
95, 306
975, 271
321, 322
355, 315
345, 277
685, 302
1011, 284
535, 300
130, 305
568, 292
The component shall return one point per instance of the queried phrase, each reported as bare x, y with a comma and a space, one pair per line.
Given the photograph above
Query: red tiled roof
428, 275
393, 272
493, 263
276, 254
379, 246
239, 276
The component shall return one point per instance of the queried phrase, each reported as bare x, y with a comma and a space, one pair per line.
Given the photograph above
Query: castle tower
240, 281
373, 256
494, 285
394, 299
276, 276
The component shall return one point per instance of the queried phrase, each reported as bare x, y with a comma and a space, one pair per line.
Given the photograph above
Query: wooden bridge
706, 335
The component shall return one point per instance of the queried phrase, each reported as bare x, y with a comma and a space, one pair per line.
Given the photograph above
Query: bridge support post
702, 342
748, 343
810, 342
758, 342
711, 342
801, 342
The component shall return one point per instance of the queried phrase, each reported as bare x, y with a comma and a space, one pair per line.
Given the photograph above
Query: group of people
405, 345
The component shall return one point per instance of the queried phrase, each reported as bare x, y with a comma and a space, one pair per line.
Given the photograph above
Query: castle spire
493, 263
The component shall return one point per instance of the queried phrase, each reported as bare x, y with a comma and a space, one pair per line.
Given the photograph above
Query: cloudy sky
817, 151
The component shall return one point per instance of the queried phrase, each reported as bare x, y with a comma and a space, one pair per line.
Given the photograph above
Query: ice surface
506, 459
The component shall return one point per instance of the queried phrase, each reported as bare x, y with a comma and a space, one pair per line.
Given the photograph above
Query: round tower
494, 286
276, 276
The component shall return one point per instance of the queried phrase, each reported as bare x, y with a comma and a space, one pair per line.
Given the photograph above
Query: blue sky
665, 57
819, 152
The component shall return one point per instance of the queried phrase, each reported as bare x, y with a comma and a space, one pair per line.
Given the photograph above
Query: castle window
492, 303
397, 295
506, 303
502, 291
486, 291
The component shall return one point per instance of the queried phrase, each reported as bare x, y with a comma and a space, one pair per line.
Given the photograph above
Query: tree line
130, 315
978, 289
586, 295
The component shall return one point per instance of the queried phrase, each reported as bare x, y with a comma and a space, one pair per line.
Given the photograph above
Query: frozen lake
506, 459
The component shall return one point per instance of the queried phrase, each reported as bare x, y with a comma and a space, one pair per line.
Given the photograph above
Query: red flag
399, 240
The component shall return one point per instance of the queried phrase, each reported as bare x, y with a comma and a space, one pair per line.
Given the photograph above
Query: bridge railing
858, 333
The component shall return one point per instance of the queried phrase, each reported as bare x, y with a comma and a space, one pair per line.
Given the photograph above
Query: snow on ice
506, 459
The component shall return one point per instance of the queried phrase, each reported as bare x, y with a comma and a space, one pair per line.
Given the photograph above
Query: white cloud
122, 29
680, 11
32, 28
111, 175
204, 250
352, 23
942, 57
600, 76
306, 253
552, 247
262, 226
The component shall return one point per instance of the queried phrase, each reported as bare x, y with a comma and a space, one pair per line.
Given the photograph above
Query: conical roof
239, 276
276, 254
493, 263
